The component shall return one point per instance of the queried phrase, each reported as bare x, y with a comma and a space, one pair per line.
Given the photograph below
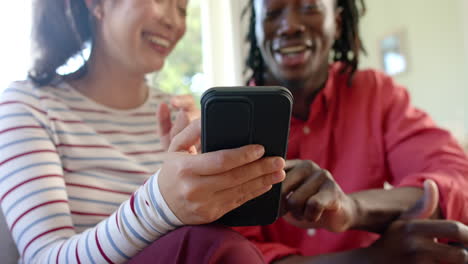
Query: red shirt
367, 134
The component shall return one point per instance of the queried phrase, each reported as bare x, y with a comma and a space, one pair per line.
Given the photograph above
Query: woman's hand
201, 188
312, 198
187, 104
413, 238
187, 112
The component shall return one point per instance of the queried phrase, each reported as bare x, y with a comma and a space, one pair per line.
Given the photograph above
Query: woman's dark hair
346, 49
60, 30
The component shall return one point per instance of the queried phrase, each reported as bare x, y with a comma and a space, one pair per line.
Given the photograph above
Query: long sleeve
36, 204
367, 134
417, 150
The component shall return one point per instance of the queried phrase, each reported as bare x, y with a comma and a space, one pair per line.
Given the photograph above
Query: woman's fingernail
259, 150
279, 176
278, 163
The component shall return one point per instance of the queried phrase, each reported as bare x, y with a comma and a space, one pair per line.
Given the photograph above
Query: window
182, 72
15, 21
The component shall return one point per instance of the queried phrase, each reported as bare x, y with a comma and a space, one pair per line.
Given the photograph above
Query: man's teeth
159, 41
294, 49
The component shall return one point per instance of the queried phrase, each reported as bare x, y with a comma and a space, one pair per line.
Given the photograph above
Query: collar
335, 76
326, 96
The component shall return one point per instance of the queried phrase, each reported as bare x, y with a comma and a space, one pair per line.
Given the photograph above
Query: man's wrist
357, 213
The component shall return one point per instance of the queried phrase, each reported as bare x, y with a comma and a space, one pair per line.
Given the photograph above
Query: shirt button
306, 130
311, 232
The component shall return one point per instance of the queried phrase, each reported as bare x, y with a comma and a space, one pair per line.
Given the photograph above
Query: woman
361, 127
84, 173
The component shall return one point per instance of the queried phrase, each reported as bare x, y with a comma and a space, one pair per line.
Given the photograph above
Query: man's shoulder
371, 77
366, 82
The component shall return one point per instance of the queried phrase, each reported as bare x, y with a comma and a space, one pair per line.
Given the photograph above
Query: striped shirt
78, 180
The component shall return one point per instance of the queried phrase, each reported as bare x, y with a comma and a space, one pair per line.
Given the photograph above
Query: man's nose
291, 23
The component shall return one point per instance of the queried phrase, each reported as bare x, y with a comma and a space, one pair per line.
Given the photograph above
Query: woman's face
139, 34
295, 36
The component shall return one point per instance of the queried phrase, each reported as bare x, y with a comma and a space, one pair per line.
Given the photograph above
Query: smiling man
351, 132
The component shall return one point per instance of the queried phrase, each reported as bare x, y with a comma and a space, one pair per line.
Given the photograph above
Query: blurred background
423, 44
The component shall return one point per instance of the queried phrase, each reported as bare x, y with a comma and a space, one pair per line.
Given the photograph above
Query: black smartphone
233, 117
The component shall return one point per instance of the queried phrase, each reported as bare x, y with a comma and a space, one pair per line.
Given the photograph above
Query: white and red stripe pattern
78, 180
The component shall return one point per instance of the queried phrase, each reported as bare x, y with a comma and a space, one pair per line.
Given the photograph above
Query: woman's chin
154, 67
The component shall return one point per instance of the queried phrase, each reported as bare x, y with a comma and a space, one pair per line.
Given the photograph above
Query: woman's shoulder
26, 94
27, 91
19, 91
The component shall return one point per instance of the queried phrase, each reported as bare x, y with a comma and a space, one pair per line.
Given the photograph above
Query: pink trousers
200, 244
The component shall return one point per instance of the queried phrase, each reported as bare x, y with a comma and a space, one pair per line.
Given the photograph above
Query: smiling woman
88, 171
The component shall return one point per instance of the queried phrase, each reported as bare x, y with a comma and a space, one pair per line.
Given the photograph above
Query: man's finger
442, 229
290, 164
296, 177
328, 196
444, 253
427, 205
296, 202
325, 200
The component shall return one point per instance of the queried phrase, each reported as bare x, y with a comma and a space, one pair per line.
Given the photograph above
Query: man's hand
414, 238
312, 198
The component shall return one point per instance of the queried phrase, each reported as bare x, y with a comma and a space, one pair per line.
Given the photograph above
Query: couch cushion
8, 252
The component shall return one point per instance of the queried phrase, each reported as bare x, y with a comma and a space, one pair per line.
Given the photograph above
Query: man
360, 127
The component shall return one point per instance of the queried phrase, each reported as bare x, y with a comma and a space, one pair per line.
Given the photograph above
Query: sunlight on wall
436, 76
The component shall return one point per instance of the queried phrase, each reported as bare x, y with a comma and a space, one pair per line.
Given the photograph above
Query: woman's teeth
159, 41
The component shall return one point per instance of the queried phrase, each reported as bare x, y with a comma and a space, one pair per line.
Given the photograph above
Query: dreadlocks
346, 49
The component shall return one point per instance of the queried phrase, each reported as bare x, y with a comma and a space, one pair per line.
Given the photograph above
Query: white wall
437, 43
15, 20
222, 37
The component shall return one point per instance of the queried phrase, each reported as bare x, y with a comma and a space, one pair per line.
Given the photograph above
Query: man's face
295, 36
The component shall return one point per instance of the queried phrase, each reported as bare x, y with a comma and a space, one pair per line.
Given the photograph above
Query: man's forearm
376, 209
